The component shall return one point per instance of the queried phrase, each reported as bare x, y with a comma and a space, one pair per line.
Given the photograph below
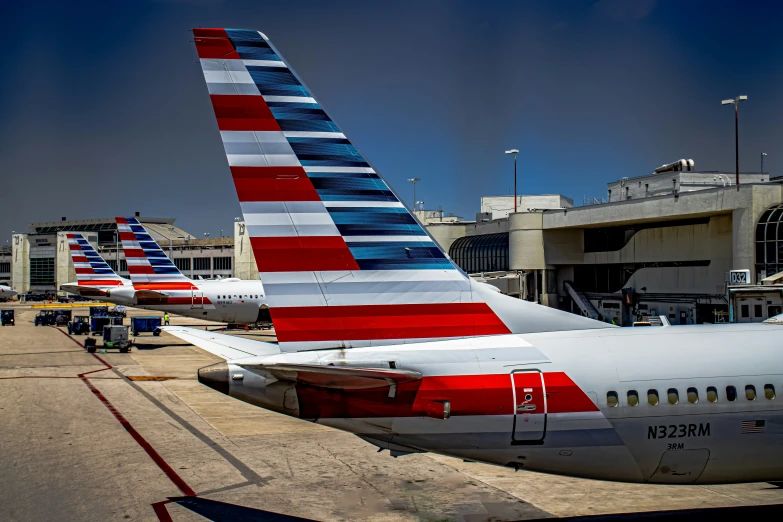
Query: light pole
170, 228
736, 101
762, 161
514, 152
414, 181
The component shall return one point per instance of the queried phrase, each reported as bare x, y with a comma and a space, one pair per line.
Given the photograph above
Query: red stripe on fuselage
403, 321
165, 286
100, 282
237, 112
169, 300
302, 254
467, 394
273, 184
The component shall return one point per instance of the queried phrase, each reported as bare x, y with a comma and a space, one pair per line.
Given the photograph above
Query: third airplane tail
344, 263
91, 269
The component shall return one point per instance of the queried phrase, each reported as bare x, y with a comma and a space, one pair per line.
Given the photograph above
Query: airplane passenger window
612, 399
769, 391
750, 392
731, 393
672, 396
693, 395
652, 397
633, 398
712, 394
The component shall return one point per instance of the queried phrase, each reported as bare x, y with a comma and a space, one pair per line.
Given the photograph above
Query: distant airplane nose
215, 376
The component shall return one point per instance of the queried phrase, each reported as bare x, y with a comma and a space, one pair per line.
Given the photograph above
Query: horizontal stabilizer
337, 377
83, 290
228, 347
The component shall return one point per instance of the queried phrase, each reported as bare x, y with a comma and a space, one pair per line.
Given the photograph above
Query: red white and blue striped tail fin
342, 260
147, 263
91, 269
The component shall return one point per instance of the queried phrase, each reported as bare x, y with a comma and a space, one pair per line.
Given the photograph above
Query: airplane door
529, 407
196, 298
681, 466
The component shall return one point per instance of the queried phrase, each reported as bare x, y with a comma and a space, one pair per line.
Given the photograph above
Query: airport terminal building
659, 244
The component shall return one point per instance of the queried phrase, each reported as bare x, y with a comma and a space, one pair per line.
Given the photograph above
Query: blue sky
105, 112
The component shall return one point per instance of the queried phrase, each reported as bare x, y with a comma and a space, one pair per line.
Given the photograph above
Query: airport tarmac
116, 436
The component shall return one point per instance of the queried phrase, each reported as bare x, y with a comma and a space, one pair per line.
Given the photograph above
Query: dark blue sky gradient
104, 110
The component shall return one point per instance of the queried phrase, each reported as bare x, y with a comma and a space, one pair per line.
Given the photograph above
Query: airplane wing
228, 347
337, 377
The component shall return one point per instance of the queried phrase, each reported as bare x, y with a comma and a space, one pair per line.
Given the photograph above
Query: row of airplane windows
238, 297
673, 396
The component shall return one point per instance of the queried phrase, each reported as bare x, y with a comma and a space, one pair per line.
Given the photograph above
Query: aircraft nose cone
215, 376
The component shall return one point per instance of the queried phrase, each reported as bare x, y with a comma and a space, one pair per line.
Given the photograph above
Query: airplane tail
344, 263
147, 263
91, 269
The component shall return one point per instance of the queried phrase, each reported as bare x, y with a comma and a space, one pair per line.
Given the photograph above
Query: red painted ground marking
161, 511
158, 507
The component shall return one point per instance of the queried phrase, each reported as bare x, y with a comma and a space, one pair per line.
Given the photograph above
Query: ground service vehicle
116, 336
45, 318
7, 317
79, 326
99, 311
97, 323
149, 323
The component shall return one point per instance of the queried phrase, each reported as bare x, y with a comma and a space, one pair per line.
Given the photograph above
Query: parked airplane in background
6, 292
345, 264
157, 284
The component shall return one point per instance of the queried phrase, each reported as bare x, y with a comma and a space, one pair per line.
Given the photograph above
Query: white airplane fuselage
544, 402
226, 300
6, 292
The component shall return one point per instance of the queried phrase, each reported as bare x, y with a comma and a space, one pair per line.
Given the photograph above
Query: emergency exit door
529, 395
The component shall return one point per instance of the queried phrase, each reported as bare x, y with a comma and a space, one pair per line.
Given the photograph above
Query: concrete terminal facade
651, 253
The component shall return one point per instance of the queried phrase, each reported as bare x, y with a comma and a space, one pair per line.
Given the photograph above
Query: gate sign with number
739, 277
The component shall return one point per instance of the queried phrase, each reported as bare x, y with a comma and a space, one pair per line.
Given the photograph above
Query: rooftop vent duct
683, 165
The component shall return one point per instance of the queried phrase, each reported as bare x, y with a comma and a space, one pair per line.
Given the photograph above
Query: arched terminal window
769, 243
